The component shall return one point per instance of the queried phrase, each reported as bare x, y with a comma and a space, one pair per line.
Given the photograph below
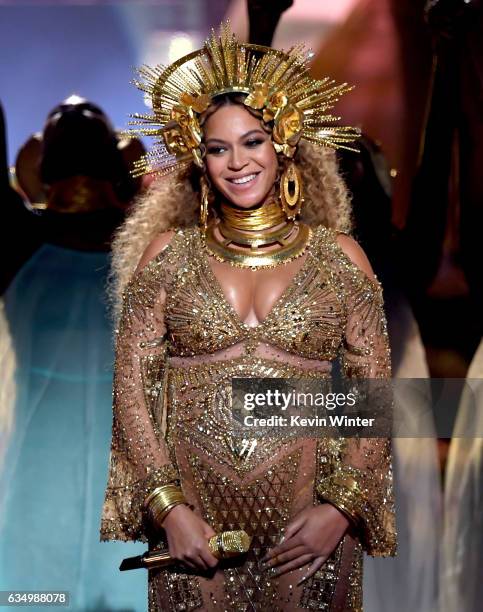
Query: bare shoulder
356, 254
157, 244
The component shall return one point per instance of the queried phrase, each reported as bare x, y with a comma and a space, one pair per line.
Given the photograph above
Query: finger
194, 560
289, 544
197, 561
201, 563
314, 566
188, 563
209, 558
179, 558
287, 556
293, 527
208, 531
294, 564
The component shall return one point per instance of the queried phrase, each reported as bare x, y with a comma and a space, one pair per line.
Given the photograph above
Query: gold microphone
224, 545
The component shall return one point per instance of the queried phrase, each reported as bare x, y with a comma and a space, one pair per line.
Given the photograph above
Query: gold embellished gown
179, 343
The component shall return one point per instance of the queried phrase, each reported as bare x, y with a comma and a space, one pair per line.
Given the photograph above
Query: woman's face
240, 158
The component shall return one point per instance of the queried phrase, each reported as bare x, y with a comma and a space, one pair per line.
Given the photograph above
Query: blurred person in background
410, 580
75, 175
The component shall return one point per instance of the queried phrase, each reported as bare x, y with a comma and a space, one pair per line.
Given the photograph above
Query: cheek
214, 167
269, 159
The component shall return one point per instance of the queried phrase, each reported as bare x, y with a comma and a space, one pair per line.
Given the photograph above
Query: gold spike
259, 68
205, 75
241, 66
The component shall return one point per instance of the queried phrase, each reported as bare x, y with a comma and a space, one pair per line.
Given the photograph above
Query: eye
215, 150
254, 142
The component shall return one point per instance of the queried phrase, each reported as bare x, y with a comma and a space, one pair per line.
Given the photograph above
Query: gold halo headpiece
276, 82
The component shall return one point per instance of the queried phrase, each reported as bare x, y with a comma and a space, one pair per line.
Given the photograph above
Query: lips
241, 180
240, 183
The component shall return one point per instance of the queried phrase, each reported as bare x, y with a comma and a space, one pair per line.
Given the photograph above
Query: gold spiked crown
276, 82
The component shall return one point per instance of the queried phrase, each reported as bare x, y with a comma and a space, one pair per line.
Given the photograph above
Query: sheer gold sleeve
139, 458
361, 483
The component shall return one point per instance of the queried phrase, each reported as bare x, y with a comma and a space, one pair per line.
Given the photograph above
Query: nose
237, 160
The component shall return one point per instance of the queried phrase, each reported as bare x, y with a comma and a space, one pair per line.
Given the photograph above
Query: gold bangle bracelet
159, 518
158, 505
163, 501
349, 514
160, 490
150, 497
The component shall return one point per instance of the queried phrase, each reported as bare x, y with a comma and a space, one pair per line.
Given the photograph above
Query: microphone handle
225, 544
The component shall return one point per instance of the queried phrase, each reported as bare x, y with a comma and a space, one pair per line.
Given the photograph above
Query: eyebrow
256, 131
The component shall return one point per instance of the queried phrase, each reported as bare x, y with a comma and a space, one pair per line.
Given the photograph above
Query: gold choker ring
253, 257
256, 239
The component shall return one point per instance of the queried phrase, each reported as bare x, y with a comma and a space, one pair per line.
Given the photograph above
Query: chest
253, 293
296, 306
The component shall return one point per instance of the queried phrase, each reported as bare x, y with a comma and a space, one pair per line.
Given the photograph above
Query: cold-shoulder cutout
157, 245
354, 252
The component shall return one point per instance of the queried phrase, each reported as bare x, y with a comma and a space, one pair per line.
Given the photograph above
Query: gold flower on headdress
275, 104
287, 130
257, 99
174, 141
198, 103
183, 133
188, 123
288, 120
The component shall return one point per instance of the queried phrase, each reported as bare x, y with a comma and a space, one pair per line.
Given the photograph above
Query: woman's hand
310, 537
188, 536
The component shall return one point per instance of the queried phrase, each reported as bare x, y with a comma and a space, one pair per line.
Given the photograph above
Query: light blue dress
55, 468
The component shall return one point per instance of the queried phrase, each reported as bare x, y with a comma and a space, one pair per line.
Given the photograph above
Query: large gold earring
291, 195
205, 201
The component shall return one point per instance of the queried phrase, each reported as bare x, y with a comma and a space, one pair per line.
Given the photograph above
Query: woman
262, 289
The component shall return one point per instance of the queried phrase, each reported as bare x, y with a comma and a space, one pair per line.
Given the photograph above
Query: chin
246, 200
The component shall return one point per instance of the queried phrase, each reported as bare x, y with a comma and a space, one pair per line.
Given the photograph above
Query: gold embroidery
260, 506
203, 410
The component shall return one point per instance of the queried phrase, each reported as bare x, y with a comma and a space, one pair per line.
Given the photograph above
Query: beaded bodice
308, 319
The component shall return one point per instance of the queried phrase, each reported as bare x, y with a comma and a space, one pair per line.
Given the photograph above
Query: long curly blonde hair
173, 201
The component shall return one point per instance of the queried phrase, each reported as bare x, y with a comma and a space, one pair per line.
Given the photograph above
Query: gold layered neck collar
245, 232
258, 219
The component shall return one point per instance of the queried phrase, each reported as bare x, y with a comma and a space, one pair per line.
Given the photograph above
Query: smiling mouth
242, 180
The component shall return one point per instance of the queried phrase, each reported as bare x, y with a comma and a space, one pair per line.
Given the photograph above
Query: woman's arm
361, 485
139, 459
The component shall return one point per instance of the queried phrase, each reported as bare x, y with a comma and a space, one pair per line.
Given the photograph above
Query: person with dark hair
410, 580
16, 219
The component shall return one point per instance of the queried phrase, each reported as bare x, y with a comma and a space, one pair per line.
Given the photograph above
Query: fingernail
303, 579
282, 539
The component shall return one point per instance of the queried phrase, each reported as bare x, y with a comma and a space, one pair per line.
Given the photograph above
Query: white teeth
244, 179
